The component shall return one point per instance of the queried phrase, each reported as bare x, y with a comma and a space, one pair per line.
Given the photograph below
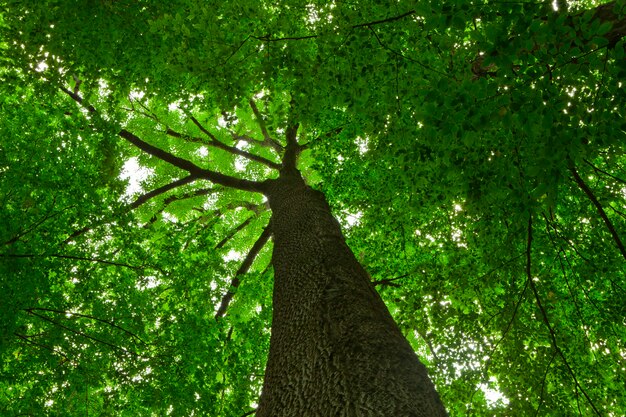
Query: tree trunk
334, 350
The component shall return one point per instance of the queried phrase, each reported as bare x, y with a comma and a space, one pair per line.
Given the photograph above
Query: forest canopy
472, 151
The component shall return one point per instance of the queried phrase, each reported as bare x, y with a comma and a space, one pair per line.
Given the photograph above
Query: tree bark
335, 349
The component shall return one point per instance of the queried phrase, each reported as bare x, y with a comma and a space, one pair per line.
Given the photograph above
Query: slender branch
595, 168
196, 193
173, 198
606, 13
601, 212
26, 339
546, 320
236, 49
110, 323
287, 38
215, 142
76, 258
181, 163
245, 266
190, 167
149, 195
430, 345
510, 323
401, 55
233, 232
543, 384
138, 202
31, 227
551, 228
49, 215
267, 38
83, 334
391, 19
328, 134
267, 137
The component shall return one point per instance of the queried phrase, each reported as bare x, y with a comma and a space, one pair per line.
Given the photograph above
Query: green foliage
473, 151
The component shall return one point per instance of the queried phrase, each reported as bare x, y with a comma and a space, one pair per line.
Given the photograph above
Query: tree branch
328, 134
544, 315
78, 258
606, 13
83, 334
267, 38
543, 384
26, 339
190, 167
245, 266
215, 142
109, 323
149, 195
181, 163
293, 149
595, 168
233, 232
601, 212
169, 200
268, 139
390, 19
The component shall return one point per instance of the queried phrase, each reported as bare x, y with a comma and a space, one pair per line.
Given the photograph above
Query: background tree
473, 153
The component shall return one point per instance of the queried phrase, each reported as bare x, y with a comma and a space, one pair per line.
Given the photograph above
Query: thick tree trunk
335, 350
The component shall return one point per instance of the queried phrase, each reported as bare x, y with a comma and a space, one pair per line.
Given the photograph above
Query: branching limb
595, 168
190, 167
233, 232
245, 266
545, 318
268, 38
54, 350
403, 56
149, 195
292, 150
543, 383
599, 208
181, 163
216, 143
143, 199
328, 134
173, 198
83, 334
212, 217
107, 322
267, 138
79, 258
51, 214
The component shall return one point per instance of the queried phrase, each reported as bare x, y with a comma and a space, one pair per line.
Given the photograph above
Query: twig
601, 212
149, 195
245, 266
268, 139
595, 168
546, 319
231, 149
233, 232
28, 310
543, 384
78, 258
181, 163
85, 335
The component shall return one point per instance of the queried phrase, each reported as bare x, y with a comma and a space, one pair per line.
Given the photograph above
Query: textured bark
335, 349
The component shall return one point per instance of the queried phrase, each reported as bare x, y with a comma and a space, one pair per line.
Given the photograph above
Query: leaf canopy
473, 152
